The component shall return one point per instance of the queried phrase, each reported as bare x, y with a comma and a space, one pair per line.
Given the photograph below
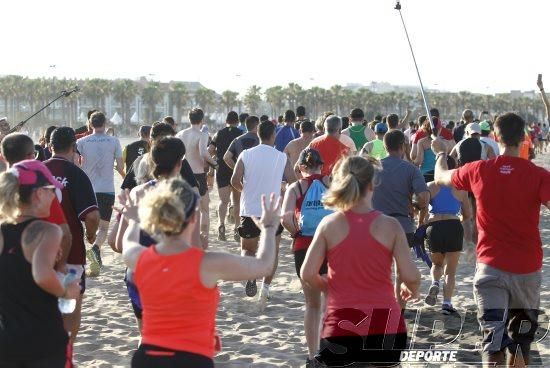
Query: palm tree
124, 91
96, 90
294, 92
229, 100
315, 97
204, 98
275, 97
336, 97
179, 98
253, 99
13, 90
151, 96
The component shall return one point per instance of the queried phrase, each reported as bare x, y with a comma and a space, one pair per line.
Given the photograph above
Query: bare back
195, 143
295, 146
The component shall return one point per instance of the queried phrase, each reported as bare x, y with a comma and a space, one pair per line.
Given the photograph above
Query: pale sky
476, 45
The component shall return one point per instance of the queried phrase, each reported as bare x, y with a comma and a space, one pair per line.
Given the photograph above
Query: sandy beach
275, 337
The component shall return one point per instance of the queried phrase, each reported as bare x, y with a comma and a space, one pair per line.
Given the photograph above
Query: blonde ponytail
166, 208
351, 177
9, 198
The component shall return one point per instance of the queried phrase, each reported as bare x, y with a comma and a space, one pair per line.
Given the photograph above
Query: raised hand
439, 146
539, 82
129, 208
271, 212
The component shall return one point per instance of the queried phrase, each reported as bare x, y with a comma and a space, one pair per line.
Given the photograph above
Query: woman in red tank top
310, 164
177, 282
362, 313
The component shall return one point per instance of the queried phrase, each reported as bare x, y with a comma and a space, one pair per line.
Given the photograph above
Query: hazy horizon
482, 47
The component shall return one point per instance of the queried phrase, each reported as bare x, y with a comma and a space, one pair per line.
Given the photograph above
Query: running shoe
431, 298
97, 255
448, 309
94, 265
251, 288
221, 233
264, 297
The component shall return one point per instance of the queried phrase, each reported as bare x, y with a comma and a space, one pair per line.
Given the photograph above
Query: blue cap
380, 128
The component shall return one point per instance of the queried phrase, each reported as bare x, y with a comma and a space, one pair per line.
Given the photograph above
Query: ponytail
11, 196
351, 178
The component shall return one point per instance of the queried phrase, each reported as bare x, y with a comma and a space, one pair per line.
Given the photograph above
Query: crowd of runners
355, 196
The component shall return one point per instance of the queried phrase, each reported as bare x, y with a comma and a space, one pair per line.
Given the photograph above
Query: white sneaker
264, 297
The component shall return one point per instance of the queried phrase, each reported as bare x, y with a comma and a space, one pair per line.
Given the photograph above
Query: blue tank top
444, 203
428, 164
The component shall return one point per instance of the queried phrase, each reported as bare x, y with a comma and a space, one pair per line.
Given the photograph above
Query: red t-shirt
508, 192
445, 134
82, 135
331, 150
56, 214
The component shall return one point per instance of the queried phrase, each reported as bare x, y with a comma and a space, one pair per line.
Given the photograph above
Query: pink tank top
361, 299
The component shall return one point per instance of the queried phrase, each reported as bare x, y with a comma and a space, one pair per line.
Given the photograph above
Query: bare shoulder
39, 230
386, 223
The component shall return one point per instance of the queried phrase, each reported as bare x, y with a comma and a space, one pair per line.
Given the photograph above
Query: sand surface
275, 337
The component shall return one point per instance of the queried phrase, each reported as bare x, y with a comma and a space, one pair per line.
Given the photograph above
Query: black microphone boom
424, 98
64, 93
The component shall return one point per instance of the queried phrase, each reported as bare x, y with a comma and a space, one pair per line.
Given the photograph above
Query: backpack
312, 210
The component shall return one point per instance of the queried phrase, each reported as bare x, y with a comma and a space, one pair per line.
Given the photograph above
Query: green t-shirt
357, 134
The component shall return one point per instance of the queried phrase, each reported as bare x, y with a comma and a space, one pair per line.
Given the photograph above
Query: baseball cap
380, 128
34, 173
310, 157
473, 128
485, 126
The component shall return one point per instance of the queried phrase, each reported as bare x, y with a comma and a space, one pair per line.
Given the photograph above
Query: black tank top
31, 326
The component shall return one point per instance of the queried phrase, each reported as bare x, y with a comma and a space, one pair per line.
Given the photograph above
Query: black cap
310, 157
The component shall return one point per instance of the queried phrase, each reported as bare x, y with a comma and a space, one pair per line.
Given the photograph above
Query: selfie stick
426, 105
62, 94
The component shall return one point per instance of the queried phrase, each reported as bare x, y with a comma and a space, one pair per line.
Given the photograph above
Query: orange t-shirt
178, 311
525, 146
331, 150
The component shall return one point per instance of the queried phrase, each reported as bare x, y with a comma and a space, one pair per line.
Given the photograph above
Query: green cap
484, 125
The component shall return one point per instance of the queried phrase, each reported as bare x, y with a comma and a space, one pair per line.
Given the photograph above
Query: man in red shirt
507, 282
329, 145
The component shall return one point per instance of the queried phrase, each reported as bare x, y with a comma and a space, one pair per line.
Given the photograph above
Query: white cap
473, 128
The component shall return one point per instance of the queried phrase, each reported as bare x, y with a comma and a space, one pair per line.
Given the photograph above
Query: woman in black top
31, 327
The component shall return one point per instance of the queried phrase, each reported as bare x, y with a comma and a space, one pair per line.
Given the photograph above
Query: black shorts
201, 181
444, 236
300, 256
376, 350
150, 356
105, 202
58, 360
248, 229
223, 177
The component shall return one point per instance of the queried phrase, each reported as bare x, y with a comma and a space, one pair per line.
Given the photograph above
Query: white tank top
264, 167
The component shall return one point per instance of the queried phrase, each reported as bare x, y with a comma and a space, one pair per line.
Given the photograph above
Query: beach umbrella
116, 119
134, 119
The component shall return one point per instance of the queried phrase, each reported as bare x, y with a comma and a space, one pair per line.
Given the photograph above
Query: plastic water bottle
67, 306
